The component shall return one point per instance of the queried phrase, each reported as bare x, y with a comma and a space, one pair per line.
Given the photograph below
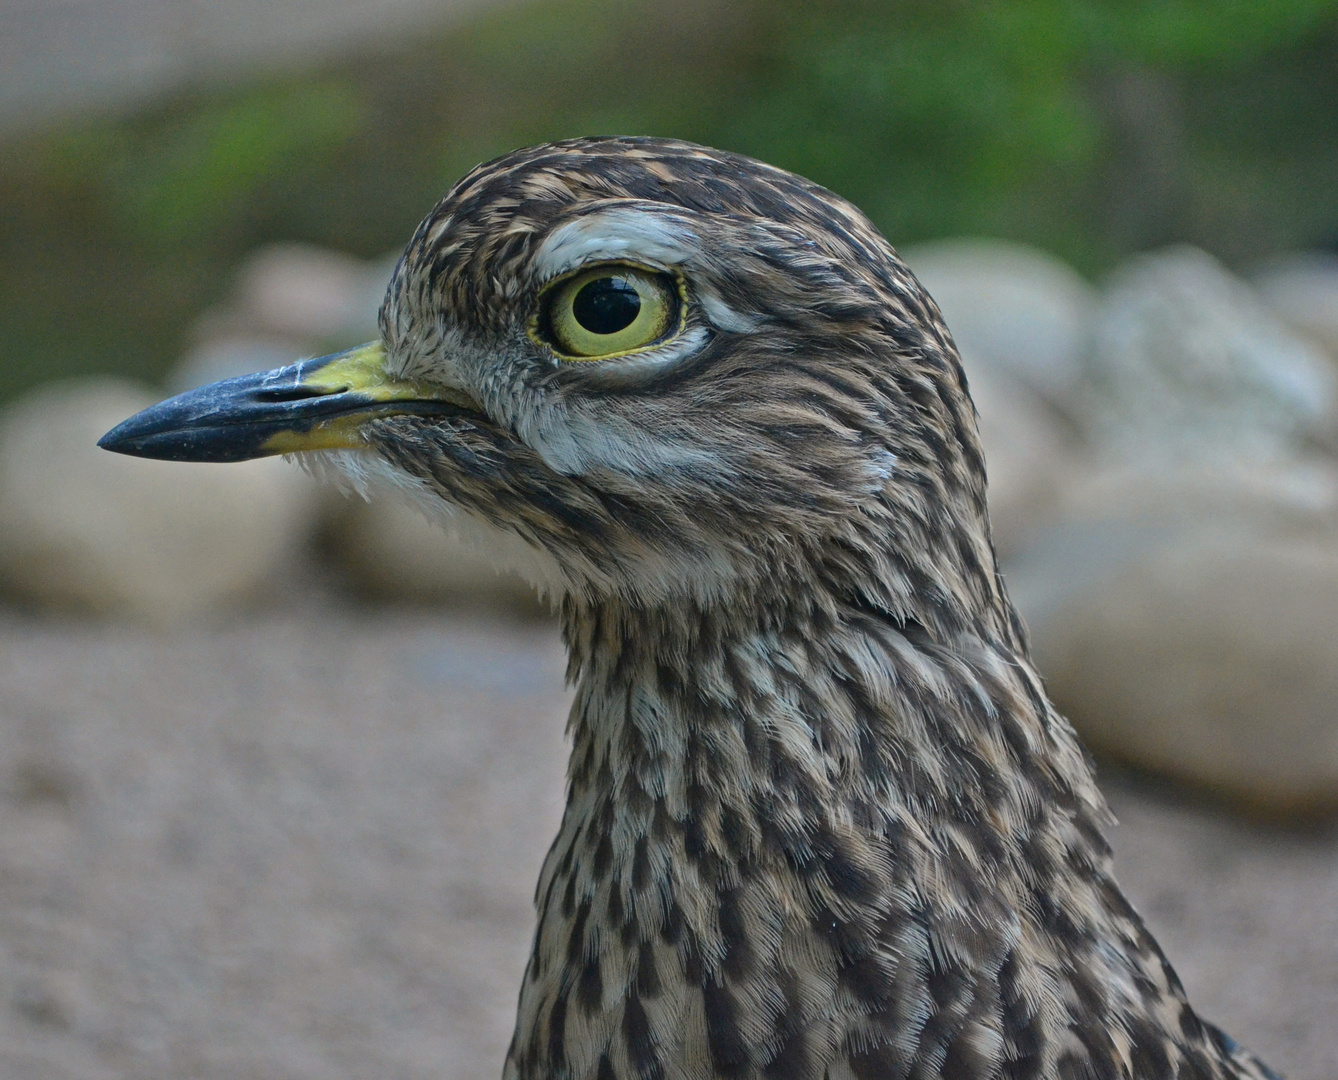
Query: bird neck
793, 822
816, 699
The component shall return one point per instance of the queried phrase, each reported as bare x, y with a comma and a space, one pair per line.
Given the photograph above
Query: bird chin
356, 472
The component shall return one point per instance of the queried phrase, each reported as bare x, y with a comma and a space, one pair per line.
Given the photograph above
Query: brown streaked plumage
822, 820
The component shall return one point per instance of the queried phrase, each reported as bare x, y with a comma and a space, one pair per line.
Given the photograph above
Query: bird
822, 821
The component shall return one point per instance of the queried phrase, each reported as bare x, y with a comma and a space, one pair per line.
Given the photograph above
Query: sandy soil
302, 847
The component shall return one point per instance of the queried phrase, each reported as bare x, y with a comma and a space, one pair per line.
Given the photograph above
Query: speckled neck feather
805, 839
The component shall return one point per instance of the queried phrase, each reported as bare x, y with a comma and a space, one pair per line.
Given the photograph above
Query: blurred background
279, 766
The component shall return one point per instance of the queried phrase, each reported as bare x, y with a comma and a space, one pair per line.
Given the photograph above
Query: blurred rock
228, 357
298, 292
387, 547
1028, 457
1106, 520
1302, 289
301, 291
1288, 497
1187, 362
85, 528
1210, 656
1181, 582
1012, 309
1184, 620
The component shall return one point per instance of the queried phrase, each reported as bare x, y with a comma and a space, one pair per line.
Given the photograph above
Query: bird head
670, 371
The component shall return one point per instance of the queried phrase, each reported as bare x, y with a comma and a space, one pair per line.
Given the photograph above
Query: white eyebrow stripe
655, 238
723, 317
622, 232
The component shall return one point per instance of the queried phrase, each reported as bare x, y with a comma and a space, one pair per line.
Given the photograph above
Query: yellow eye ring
610, 310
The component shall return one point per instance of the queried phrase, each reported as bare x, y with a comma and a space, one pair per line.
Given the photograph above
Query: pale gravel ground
302, 847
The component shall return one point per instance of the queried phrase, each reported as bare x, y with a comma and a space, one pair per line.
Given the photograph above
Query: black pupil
606, 305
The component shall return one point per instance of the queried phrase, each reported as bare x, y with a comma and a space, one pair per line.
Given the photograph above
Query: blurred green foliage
1091, 127
1047, 120
178, 184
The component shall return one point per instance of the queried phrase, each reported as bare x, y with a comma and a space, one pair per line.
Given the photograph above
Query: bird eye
609, 310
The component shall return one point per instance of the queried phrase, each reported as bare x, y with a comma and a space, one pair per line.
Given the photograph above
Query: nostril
297, 393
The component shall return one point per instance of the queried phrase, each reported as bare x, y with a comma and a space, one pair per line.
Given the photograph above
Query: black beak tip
115, 441
137, 436
122, 438
209, 424
149, 435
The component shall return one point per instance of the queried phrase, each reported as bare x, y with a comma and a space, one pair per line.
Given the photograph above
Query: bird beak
319, 404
